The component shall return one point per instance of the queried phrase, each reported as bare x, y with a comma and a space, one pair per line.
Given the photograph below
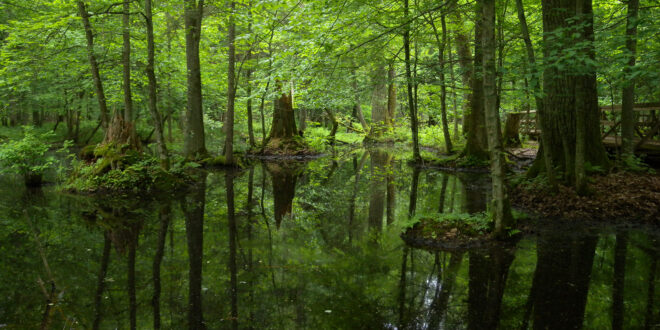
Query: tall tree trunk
477, 143
194, 146
443, 87
536, 89
96, 76
379, 101
126, 61
391, 94
231, 88
357, 105
501, 208
248, 81
417, 158
628, 95
567, 93
153, 95
464, 60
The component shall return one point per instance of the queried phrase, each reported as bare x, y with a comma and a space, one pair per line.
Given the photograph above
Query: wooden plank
638, 107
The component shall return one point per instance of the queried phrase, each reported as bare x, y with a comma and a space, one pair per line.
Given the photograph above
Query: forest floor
615, 197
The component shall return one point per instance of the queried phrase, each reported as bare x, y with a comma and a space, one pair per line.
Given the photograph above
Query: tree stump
510, 137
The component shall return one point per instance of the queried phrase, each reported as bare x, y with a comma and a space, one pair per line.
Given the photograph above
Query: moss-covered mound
116, 168
295, 146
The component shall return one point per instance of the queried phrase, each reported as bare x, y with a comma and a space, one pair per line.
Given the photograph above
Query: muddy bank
614, 197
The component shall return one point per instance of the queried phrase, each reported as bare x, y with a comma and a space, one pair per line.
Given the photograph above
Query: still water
311, 245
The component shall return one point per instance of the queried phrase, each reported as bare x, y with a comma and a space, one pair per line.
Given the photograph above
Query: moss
87, 152
139, 176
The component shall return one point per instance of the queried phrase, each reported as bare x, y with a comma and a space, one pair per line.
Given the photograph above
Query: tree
231, 89
194, 146
570, 114
477, 142
93, 64
126, 61
628, 94
417, 158
501, 209
152, 89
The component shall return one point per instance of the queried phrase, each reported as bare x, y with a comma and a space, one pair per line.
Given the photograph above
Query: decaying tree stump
510, 137
122, 132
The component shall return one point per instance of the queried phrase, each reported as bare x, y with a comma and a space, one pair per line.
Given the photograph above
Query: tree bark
126, 61
417, 158
231, 88
98, 84
391, 94
628, 94
194, 146
571, 91
357, 105
443, 88
501, 208
536, 89
248, 82
477, 144
152, 90
465, 61
379, 101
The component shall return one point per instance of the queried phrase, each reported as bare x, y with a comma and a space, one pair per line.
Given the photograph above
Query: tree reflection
193, 210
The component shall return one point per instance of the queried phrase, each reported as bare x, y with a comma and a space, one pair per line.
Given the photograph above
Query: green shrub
28, 156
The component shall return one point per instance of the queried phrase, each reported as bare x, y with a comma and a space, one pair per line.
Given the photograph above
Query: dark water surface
308, 245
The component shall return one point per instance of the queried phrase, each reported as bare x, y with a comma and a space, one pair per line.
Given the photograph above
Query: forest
397, 164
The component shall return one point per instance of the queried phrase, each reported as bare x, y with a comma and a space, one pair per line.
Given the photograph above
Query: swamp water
308, 245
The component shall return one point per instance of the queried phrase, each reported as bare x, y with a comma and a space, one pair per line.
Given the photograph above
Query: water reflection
312, 245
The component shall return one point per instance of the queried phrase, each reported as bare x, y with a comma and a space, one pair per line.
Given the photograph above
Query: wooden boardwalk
647, 129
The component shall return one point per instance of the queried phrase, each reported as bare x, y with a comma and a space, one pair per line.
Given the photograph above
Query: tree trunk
570, 95
536, 89
443, 88
357, 105
628, 95
500, 208
335, 125
417, 158
379, 102
511, 128
477, 143
391, 94
231, 89
98, 84
464, 60
126, 61
194, 146
153, 95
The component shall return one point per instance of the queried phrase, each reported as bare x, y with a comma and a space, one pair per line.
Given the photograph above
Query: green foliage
316, 138
29, 155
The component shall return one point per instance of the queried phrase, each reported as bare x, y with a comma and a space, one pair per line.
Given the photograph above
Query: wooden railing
647, 128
